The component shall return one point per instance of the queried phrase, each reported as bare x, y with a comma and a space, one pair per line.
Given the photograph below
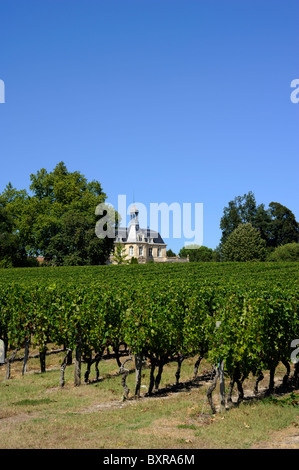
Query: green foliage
291, 400
197, 253
241, 210
288, 252
284, 228
58, 221
119, 256
12, 252
170, 253
134, 260
160, 311
244, 244
217, 254
277, 224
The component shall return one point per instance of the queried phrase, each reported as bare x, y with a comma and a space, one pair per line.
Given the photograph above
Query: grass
36, 413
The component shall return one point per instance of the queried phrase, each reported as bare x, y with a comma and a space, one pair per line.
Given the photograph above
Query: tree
217, 254
75, 242
170, 253
284, 227
119, 256
241, 210
58, 220
196, 253
244, 244
263, 222
288, 252
10, 247
277, 224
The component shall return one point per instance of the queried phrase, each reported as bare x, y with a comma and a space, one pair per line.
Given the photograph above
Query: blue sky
172, 100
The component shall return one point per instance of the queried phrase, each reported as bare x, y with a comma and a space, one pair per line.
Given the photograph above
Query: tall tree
170, 253
277, 224
263, 222
58, 220
287, 252
119, 256
241, 210
197, 253
244, 244
12, 252
284, 227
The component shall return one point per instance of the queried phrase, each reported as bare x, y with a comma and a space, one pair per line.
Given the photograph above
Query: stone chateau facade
140, 243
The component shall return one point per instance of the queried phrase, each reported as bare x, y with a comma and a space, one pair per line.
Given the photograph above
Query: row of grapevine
160, 313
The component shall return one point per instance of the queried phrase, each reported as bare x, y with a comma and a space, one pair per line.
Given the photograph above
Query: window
140, 251
150, 252
159, 252
131, 251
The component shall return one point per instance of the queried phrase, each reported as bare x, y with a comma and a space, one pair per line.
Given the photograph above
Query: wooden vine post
221, 378
218, 375
26, 355
138, 368
77, 369
64, 363
8, 363
125, 373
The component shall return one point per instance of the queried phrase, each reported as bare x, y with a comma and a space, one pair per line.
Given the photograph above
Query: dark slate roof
122, 232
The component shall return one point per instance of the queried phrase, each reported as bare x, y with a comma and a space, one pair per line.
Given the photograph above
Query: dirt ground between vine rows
177, 429
287, 438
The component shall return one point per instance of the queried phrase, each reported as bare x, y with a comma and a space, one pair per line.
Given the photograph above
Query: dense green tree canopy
244, 244
287, 252
197, 253
11, 250
277, 224
284, 227
170, 253
119, 256
58, 220
242, 210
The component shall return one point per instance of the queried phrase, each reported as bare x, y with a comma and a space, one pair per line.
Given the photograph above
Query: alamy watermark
187, 219
295, 93
2, 91
294, 354
2, 352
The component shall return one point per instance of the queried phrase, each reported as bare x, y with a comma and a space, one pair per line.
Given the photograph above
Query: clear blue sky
174, 100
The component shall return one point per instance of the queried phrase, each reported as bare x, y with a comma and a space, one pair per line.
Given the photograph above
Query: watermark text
2, 91
295, 93
185, 220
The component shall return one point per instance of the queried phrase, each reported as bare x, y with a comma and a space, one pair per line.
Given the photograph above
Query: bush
197, 253
244, 244
5, 263
170, 253
288, 252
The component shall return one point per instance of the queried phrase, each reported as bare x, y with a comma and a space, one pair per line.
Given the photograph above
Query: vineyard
240, 316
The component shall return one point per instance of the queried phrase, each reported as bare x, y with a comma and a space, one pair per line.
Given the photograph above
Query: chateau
140, 243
